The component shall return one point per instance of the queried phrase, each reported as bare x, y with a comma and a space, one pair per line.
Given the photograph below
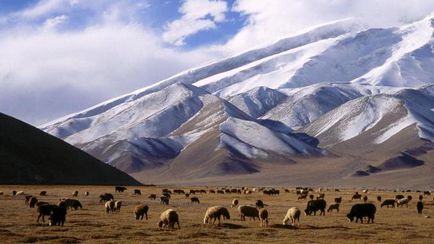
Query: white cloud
46, 73
271, 20
197, 15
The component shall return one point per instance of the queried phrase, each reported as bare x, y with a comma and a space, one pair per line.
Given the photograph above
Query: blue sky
62, 56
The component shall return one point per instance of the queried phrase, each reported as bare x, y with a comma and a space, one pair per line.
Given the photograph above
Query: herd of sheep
170, 218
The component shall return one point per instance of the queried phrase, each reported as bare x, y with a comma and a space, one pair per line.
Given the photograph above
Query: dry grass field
93, 225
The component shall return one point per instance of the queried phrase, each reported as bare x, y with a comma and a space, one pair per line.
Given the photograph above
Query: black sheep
361, 210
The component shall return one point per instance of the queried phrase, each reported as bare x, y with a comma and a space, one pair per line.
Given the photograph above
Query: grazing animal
14, 193
403, 201
259, 204
43, 193
379, 198
397, 197
1, 193
137, 192
333, 206
27, 199
356, 196
338, 199
153, 196
187, 195
44, 210
320, 196
164, 200
120, 188
168, 219
215, 213
110, 206
248, 211
365, 198
86, 193
58, 215
303, 196
361, 210
194, 200
118, 205
19, 193
292, 215
427, 193
75, 194
388, 202
315, 205
263, 217
419, 207
32, 202
140, 211
106, 197
72, 203
234, 203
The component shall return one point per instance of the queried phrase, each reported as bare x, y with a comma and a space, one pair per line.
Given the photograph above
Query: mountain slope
30, 156
353, 96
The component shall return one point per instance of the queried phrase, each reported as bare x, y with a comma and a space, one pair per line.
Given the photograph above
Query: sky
62, 56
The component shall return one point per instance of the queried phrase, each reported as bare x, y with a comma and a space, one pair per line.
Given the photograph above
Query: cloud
197, 15
46, 72
271, 20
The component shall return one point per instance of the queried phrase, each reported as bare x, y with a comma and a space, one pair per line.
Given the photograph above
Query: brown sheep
168, 219
234, 203
248, 211
153, 196
215, 213
140, 211
44, 210
263, 216
194, 200
43, 193
75, 194
110, 206
72, 204
118, 205
332, 207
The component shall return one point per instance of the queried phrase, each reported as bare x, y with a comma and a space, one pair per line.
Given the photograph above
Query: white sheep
234, 203
403, 201
293, 214
214, 213
168, 219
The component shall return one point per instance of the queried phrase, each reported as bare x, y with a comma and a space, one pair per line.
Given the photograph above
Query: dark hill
31, 156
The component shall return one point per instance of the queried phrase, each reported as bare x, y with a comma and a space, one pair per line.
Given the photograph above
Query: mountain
277, 110
31, 156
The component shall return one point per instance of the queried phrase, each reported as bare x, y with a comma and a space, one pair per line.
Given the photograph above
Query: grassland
93, 225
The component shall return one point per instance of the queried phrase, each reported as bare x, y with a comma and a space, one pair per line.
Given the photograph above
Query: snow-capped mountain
317, 94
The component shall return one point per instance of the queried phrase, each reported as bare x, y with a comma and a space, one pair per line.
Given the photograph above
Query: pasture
93, 225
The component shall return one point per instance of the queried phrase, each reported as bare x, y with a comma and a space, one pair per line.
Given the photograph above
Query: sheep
27, 199
43, 193
292, 215
234, 203
302, 196
361, 210
137, 192
263, 217
86, 193
120, 189
106, 197
214, 213
403, 201
397, 197
259, 204
118, 205
315, 205
152, 196
1, 193
187, 195
338, 199
379, 198
388, 202
333, 206
168, 219
419, 207
248, 211
365, 198
44, 210
75, 194
140, 211
320, 196
19, 193
32, 202
58, 215
110, 206
356, 196
72, 203
164, 200
194, 200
